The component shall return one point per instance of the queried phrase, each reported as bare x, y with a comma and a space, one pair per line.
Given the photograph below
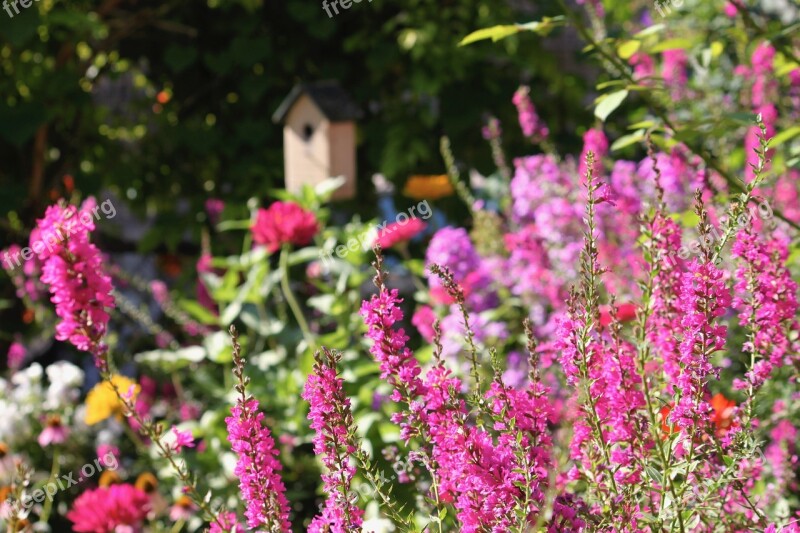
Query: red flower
625, 313
400, 232
284, 223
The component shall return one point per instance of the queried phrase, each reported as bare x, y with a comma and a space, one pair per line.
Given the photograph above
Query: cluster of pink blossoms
771, 307
258, 468
397, 363
72, 268
332, 421
704, 298
481, 472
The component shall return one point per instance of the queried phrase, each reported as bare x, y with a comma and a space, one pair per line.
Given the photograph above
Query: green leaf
628, 48
784, 136
627, 140
198, 312
611, 83
651, 30
608, 103
172, 360
671, 44
218, 347
495, 33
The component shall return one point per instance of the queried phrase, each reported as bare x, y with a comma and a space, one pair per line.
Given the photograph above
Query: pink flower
104, 509
284, 223
108, 455
183, 509
54, 432
16, 355
204, 265
398, 232
182, 439
529, 121
643, 65
766, 298
397, 363
214, 208
704, 297
332, 420
595, 141
423, 320
258, 468
160, 291
226, 522
674, 71
72, 268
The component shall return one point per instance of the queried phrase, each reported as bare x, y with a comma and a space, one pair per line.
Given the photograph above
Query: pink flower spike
72, 268
333, 423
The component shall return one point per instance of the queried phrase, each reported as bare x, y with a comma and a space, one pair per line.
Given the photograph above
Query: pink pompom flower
105, 509
284, 223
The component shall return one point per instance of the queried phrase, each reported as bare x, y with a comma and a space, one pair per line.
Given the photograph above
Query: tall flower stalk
257, 466
335, 442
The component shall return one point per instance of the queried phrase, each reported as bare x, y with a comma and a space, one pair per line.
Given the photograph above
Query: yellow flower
428, 187
102, 402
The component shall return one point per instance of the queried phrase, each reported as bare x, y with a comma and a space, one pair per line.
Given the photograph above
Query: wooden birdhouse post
319, 136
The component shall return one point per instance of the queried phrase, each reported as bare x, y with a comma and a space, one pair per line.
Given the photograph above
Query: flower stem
292, 301
54, 471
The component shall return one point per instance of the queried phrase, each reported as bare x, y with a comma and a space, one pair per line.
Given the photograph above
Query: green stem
54, 471
292, 301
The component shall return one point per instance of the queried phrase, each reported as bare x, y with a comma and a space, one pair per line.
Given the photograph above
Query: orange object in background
723, 413
424, 187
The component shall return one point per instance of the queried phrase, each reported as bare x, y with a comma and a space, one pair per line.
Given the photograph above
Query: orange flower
666, 429
425, 187
723, 413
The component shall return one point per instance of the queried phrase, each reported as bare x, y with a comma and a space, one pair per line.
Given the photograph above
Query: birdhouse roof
328, 95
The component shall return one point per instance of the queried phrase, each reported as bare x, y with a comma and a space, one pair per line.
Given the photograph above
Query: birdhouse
319, 136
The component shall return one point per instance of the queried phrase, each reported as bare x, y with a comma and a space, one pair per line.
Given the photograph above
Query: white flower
14, 427
65, 381
27, 387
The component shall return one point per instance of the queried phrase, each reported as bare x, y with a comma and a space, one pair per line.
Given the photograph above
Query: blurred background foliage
167, 104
